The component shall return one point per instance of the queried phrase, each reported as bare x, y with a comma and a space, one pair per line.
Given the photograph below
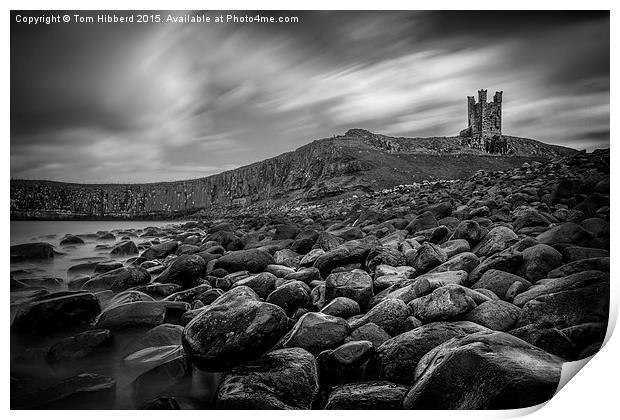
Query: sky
159, 102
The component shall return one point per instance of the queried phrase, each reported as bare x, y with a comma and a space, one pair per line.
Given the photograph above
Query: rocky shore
465, 294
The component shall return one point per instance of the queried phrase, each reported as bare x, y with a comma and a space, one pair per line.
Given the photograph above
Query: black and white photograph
306, 209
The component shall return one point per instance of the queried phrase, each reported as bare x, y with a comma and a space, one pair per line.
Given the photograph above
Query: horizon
136, 104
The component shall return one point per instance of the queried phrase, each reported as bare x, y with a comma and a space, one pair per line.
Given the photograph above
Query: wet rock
56, 313
161, 379
160, 251
189, 295
466, 261
428, 257
71, 240
398, 357
350, 252
343, 364
342, 307
316, 332
183, 271
32, 251
424, 221
159, 336
499, 282
104, 267
124, 248
508, 261
537, 261
118, 280
455, 246
174, 403
149, 358
570, 233
383, 255
576, 253
470, 231
367, 396
263, 284
234, 329
369, 332
252, 260
356, 285
515, 374
79, 346
306, 275
281, 379
496, 315
497, 240
443, 304
137, 314
389, 314
286, 232
290, 296
529, 218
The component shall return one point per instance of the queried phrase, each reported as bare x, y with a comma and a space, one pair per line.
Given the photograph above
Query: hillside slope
359, 160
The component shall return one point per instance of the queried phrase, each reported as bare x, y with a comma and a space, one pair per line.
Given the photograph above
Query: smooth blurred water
53, 232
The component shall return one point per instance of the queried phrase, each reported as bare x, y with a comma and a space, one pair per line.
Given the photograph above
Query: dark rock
495, 315
367, 396
499, 282
576, 253
252, 260
424, 221
32, 251
356, 285
398, 357
159, 336
538, 260
316, 332
495, 371
341, 307
79, 346
124, 248
497, 240
183, 271
286, 232
389, 314
369, 332
350, 252
383, 255
117, 280
281, 379
428, 257
137, 314
443, 304
290, 296
161, 378
466, 261
104, 267
189, 295
565, 233
470, 231
160, 251
263, 284
343, 364
234, 329
71, 240
56, 313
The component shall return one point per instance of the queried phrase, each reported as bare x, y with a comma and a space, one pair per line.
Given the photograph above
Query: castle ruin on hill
484, 131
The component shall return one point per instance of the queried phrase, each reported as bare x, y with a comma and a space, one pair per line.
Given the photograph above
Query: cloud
161, 102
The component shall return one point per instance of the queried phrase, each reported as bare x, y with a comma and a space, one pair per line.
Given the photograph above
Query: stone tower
484, 131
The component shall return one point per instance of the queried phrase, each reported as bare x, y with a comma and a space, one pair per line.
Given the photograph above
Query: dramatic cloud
146, 103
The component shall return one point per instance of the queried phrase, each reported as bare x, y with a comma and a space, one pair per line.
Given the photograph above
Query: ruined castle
484, 131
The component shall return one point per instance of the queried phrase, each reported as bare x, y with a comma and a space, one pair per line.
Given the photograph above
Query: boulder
234, 329
350, 252
263, 284
496, 315
369, 332
124, 248
281, 379
159, 336
398, 357
383, 255
184, 271
343, 364
252, 260
470, 231
466, 261
424, 221
494, 370
597, 264
290, 296
570, 233
355, 284
71, 240
378, 395
341, 307
428, 257
118, 280
496, 240
537, 261
137, 314
32, 251
316, 332
446, 303
79, 346
389, 314
56, 312
160, 251
499, 282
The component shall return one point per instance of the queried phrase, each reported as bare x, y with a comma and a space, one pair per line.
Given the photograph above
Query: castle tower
484, 123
